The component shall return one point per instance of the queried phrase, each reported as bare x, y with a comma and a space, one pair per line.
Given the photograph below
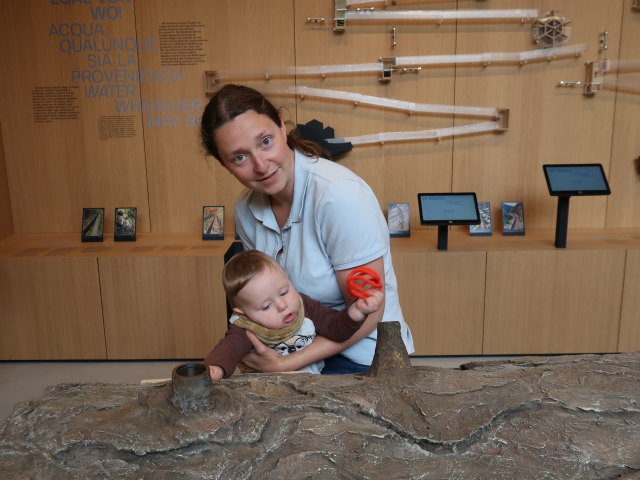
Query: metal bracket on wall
593, 78
340, 20
608, 74
389, 67
210, 81
503, 120
592, 82
604, 41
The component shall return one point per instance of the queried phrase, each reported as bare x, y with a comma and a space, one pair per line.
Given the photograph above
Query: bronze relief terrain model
566, 417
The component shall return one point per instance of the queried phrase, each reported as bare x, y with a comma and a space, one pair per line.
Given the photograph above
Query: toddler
266, 303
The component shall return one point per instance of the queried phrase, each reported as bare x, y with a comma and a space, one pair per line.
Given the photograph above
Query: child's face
269, 299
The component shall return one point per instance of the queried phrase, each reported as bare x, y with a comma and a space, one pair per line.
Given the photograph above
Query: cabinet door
162, 307
50, 309
553, 301
629, 340
442, 298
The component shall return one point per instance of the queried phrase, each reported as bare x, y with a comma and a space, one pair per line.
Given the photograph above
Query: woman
316, 218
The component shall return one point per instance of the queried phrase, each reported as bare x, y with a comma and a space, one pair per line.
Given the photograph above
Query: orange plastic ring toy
360, 280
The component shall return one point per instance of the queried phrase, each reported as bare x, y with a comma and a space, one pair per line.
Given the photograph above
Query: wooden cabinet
553, 301
162, 307
50, 309
521, 295
442, 298
629, 339
161, 296
158, 297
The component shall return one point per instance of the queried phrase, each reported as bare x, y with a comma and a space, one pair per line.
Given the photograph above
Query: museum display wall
100, 105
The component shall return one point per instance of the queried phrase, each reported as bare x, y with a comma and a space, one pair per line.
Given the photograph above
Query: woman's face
254, 149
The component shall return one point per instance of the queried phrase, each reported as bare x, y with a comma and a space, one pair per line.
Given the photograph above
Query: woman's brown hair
233, 100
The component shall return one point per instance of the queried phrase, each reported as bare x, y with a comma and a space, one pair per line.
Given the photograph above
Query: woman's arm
371, 322
267, 360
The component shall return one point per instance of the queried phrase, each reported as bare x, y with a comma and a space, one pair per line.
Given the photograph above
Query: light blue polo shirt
335, 224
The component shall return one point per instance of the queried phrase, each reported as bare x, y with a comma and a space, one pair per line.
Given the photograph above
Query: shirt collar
260, 204
260, 207
302, 175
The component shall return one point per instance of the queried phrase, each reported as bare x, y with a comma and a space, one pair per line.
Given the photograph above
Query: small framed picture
512, 218
398, 219
212, 223
484, 227
92, 224
125, 224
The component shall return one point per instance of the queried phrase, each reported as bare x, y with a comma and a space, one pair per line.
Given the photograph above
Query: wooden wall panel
556, 301
442, 298
624, 175
234, 35
162, 307
50, 309
56, 161
629, 340
6, 223
160, 167
153, 161
395, 171
547, 124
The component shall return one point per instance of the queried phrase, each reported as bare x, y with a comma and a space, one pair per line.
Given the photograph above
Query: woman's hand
263, 358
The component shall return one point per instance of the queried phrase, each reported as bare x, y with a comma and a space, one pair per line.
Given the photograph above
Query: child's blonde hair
242, 268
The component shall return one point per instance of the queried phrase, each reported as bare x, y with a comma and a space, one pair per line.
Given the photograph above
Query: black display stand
562, 221
443, 237
567, 180
446, 209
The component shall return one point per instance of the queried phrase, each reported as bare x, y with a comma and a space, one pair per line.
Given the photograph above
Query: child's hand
216, 372
362, 307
